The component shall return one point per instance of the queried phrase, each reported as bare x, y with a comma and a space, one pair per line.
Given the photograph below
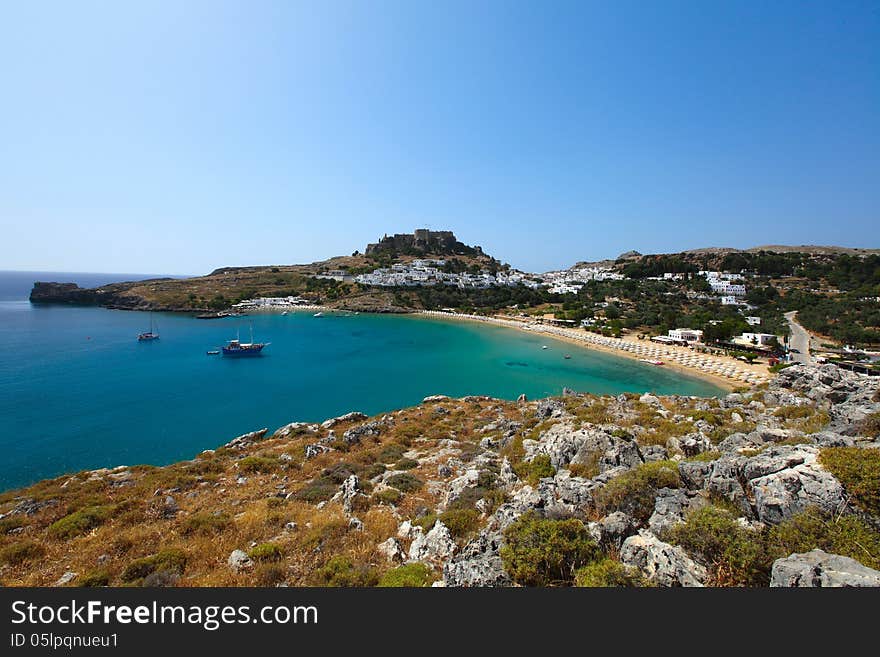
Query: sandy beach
724, 372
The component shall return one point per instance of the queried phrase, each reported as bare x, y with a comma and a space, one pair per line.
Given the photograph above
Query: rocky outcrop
247, 439
787, 480
817, 568
478, 564
354, 416
436, 544
239, 561
661, 563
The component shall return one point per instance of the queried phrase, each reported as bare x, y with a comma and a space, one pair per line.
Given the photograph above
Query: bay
78, 391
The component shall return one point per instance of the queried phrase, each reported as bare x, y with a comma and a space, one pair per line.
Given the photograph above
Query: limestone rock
660, 562
239, 561
390, 549
65, 579
671, 505
348, 417
614, 529
436, 544
785, 480
348, 491
246, 439
820, 569
478, 564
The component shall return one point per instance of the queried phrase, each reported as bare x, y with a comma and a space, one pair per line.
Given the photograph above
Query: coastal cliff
778, 486
116, 295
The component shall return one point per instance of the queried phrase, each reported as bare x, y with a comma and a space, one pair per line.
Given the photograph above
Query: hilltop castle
423, 241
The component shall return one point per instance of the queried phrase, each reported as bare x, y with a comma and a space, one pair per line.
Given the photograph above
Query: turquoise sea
77, 391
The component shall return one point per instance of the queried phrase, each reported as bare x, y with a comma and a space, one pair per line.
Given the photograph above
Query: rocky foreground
776, 486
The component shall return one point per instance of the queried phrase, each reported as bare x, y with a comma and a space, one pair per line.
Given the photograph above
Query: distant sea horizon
16, 284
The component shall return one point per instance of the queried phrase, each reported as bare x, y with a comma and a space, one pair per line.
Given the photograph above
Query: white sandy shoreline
718, 370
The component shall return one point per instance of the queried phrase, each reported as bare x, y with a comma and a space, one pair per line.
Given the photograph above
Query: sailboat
152, 334
238, 349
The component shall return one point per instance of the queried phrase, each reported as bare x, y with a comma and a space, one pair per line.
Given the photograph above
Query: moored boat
238, 349
152, 334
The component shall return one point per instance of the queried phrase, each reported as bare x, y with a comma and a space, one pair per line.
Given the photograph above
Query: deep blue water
77, 391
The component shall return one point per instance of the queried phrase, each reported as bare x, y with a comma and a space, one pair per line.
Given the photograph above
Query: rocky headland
776, 486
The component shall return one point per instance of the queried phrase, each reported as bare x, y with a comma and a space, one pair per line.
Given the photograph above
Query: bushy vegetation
172, 561
461, 522
634, 491
411, 575
607, 573
265, 552
257, 464
389, 496
543, 552
735, 555
317, 490
405, 482
94, 578
739, 556
859, 472
205, 523
21, 552
849, 536
341, 571
80, 521
536, 469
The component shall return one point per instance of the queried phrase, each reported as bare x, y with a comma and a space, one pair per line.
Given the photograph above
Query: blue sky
184, 136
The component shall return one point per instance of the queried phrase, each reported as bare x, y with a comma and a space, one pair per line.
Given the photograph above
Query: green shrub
257, 464
405, 482
411, 575
171, 561
735, 556
265, 552
373, 470
542, 552
391, 453
340, 571
426, 522
205, 524
317, 490
389, 496
406, 464
705, 456
94, 578
461, 522
859, 472
536, 469
20, 552
849, 536
585, 470
794, 412
633, 492
79, 522
607, 573
706, 416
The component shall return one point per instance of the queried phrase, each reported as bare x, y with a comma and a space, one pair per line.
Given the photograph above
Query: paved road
799, 340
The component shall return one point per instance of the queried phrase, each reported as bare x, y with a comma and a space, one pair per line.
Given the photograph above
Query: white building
729, 300
727, 288
759, 339
753, 321
686, 334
